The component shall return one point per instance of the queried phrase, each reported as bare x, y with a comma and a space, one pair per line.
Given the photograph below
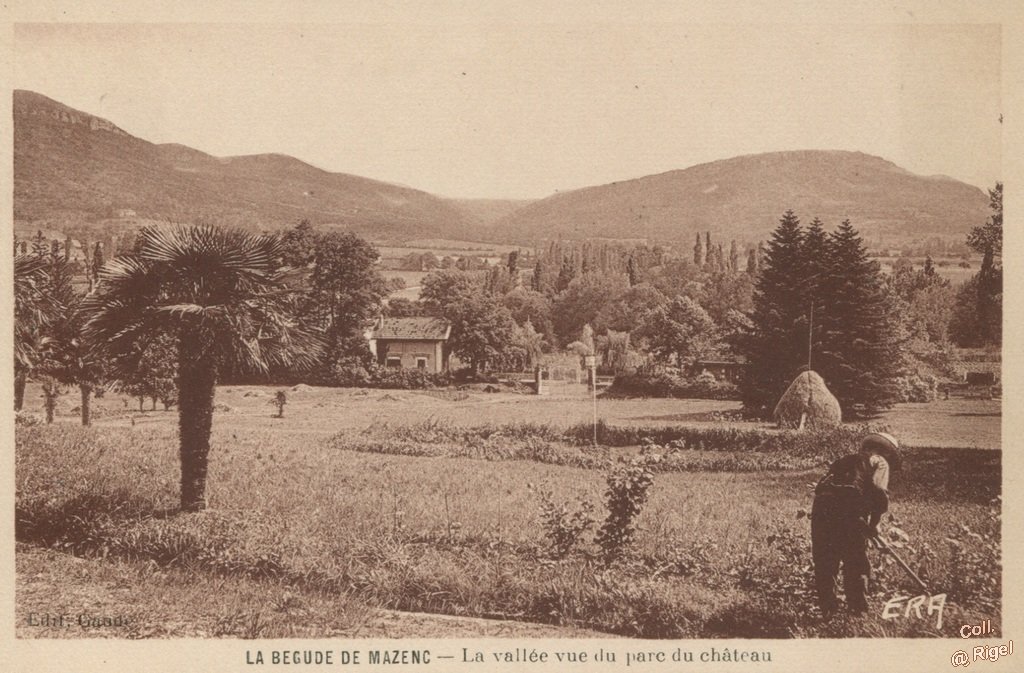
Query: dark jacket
852, 478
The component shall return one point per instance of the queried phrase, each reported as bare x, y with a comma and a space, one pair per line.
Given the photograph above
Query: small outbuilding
723, 370
411, 343
808, 403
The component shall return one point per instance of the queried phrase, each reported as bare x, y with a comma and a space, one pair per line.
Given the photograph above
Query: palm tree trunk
86, 391
196, 379
19, 390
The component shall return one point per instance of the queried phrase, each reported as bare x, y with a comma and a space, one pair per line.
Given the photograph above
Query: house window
394, 362
421, 363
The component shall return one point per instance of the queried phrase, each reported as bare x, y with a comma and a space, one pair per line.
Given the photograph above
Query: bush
916, 389
628, 484
350, 375
564, 526
663, 384
26, 419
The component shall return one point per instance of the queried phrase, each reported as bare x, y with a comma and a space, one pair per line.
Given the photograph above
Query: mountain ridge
64, 169
742, 197
76, 167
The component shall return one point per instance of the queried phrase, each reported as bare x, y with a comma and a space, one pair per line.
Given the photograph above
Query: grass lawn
144, 600
307, 503
956, 423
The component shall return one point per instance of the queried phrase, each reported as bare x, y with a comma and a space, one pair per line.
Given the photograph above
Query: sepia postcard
462, 337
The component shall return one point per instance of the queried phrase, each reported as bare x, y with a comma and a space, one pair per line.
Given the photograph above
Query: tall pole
594, 388
810, 336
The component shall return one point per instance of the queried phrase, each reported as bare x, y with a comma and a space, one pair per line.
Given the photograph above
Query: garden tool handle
902, 563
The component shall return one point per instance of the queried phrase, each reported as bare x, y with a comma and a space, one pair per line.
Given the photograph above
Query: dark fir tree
817, 259
860, 354
776, 346
734, 257
698, 252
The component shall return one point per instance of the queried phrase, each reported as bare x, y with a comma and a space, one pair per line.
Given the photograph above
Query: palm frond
223, 286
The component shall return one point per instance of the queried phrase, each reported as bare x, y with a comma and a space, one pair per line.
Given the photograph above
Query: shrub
705, 378
628, 484
347, 375
916, 389
564, 526
664, 384
26, 419
824, 442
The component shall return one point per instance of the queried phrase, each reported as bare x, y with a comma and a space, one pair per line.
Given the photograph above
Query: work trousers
838, 528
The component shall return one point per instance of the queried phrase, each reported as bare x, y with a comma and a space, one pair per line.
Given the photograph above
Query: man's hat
884, 445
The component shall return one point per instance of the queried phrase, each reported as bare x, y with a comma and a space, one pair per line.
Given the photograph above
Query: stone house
411, 343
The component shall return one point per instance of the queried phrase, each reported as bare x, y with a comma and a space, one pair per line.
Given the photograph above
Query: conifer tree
698, 252
817, 260
776, 346
734, 257
861, 335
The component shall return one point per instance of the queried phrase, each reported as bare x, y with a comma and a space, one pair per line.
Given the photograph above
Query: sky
499, 109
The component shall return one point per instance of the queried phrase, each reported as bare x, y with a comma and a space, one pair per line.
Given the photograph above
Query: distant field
951, 269
391, 252
464, 246
410, 277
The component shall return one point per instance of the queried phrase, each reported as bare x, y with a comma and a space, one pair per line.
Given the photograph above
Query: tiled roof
412, 329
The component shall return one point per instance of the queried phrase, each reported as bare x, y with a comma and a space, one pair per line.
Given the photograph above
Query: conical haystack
809, 403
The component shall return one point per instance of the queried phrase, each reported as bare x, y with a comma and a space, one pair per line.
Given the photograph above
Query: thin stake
448, 516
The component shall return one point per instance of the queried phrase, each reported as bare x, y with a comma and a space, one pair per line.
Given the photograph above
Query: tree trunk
19, 390
50, 402
197, 376
86, 391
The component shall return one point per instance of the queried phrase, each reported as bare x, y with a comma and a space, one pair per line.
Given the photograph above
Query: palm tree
34, 310
222, 294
